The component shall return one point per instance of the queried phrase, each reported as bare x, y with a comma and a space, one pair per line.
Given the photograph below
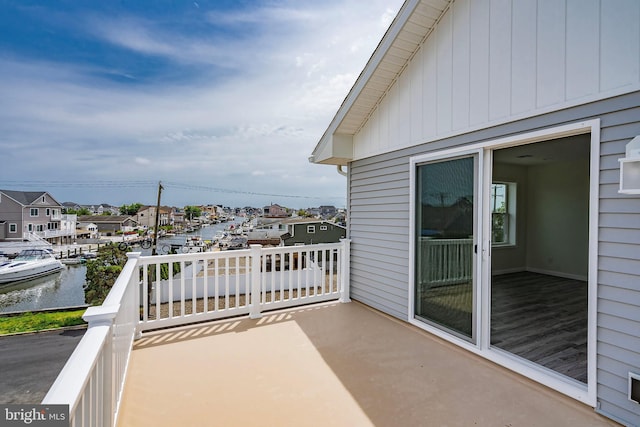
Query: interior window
503, 213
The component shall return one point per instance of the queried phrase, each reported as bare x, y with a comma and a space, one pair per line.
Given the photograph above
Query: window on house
323, 228
34, 212
48, 212
13, 228
311, 229
503, 213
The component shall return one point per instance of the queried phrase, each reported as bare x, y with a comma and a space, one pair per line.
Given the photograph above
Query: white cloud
262, 121
142, 161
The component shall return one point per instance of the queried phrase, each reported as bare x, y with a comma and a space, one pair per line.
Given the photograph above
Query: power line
146, 184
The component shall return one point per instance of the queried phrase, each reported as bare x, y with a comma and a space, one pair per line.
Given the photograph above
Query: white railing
212, 285
92, 380
445, 261
50, 234
169, 290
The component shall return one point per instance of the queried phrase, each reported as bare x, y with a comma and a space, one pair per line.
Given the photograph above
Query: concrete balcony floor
328, 365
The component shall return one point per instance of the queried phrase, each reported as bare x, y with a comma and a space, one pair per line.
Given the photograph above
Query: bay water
65, 289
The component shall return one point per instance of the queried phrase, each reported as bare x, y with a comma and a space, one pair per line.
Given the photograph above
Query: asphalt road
30, 363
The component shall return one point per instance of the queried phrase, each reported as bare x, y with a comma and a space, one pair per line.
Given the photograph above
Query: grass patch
32, 322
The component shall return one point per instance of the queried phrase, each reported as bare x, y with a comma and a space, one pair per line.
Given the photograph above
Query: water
62, 289
65, 289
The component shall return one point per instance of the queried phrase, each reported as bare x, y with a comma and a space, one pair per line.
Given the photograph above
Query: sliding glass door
445, 245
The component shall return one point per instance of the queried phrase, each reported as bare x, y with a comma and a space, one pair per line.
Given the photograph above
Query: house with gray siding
309, 232
24, 214
483, 144
108, 225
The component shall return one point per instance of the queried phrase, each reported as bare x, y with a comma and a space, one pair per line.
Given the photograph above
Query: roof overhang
413, 24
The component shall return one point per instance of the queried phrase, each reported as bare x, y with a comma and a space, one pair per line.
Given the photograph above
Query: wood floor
542, 319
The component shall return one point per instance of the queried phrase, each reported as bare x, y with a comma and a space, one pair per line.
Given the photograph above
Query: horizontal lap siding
379, 228
618, 270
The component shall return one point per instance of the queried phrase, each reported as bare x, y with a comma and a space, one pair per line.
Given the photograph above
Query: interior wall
557, 230
512, 258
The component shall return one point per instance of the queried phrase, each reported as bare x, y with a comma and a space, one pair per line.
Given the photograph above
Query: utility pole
155, 230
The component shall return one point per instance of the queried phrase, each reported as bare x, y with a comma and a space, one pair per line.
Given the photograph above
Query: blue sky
222, 101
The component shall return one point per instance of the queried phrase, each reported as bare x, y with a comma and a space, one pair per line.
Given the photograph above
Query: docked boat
29, 264
194, 244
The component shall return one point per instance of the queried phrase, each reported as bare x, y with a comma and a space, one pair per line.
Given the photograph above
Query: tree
192, 212
131, 209
102, 273
81, 211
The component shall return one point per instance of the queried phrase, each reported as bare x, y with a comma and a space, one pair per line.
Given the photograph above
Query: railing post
104, 316
253, 287
135, 281
345, 260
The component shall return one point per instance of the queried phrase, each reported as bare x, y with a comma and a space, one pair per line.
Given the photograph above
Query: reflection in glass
444, 252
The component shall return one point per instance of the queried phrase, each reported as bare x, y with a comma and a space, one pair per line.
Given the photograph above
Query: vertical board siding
379, 229
492, 61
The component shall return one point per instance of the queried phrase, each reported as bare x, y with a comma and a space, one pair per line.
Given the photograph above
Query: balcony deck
328, 365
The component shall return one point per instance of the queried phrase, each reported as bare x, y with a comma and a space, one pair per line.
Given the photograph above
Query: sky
220, 101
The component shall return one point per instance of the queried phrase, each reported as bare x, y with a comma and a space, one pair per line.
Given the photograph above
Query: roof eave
374, 61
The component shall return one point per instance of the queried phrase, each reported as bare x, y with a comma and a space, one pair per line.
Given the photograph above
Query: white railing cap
100, 315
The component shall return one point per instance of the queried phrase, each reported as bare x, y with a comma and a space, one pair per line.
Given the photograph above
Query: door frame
478, 157
579, 391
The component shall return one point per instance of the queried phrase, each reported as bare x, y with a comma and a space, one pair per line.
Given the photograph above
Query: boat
81, 258
29, 264
194, 244
4, 259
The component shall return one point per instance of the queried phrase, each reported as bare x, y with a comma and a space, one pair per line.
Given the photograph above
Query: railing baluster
291, 265
170, 286
226, 284
182, 285
216, 279
263, 274
145, 295
205, 284
194, 270
158, 284
237, 270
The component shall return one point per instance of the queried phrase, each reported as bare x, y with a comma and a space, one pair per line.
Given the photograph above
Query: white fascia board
338, 150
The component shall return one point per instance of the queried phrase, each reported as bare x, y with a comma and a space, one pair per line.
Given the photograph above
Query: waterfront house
275, 211
484, 142
146, 216
29, 215
309, 232
109, 225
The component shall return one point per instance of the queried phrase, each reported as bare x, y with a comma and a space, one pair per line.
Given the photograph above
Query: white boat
29, 264
4, 260
194, 244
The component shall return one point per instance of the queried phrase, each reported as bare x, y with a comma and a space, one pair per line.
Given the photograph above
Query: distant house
71, 206
493, 190
327, 212
87, 230
105, 208
309, 232
108, 225
275, 211
146, 216
27, 213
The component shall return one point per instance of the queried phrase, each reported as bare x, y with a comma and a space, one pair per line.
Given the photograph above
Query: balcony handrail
92, 381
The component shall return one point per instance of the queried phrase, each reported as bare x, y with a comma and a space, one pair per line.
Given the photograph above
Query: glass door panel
445, 242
